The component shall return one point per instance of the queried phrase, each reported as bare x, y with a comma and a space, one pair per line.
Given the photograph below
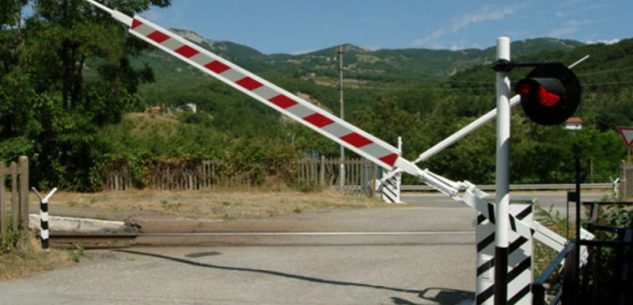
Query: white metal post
502, 177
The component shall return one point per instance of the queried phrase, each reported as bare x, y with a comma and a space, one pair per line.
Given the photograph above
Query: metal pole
577, 248
502, 176
341, 51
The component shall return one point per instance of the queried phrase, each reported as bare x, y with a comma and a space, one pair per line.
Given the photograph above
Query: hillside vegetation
65, 95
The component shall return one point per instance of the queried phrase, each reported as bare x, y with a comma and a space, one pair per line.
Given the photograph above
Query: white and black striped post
520, 260
390, 188
44, 233
502, 178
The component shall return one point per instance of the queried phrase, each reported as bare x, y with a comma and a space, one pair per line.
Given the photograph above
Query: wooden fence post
322, 172
372, 185
23, 161
15, 203
3, 207
314, 176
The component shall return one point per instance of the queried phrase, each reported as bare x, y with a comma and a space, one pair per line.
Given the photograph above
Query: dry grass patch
30, 260
210, 204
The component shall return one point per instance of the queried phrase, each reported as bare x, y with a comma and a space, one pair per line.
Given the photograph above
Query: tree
66, 71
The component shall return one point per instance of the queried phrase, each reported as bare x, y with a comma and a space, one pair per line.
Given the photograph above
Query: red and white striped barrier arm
346, 134
323, 122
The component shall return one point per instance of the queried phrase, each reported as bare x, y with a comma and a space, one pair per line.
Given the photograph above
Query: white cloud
483, 14
561, 14
457, 47
605, 41
430, 40
487, 13
578, 8
567, 28
301, 52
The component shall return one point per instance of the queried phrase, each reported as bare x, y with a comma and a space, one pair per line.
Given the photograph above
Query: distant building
574, 124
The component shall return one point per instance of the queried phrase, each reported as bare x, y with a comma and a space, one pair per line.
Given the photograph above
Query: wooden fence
197, 174
178, 175
14, 211
360, 174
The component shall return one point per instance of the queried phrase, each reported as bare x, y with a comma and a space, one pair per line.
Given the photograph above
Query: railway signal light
550, 93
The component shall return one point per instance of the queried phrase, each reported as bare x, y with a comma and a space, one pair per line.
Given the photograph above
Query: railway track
92, 240
173, 239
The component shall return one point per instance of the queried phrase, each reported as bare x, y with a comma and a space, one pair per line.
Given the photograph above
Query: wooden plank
322, 172
3, 207
372, 185
313, 175
15, 208
23, 162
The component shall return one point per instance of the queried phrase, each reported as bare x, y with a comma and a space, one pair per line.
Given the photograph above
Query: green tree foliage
69, 73
50, 110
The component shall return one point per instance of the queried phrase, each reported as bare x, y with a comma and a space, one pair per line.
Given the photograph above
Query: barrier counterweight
390, 188
520, 251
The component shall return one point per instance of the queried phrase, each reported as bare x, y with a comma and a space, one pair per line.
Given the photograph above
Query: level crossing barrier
342, 132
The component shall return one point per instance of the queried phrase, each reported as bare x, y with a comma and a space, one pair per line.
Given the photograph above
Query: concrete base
78, 225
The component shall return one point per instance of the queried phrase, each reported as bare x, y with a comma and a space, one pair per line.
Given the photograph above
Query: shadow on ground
442, 296
448, 296
429, 296
269, 272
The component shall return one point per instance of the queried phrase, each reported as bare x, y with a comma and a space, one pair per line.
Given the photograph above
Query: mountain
421, 95
223, 48
390, 65
370, 72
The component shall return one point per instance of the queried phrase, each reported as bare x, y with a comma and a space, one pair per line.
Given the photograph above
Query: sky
301, 26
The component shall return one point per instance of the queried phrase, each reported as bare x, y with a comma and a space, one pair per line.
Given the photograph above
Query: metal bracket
502, 65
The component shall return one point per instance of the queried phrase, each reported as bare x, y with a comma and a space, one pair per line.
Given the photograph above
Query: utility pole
341, 51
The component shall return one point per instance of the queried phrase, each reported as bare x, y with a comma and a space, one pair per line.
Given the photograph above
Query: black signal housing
550, 93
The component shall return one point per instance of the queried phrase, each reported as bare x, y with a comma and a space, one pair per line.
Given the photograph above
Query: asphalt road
423, 253
554, 201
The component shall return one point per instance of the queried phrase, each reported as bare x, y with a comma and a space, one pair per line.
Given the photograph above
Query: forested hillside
424, 110
71, 100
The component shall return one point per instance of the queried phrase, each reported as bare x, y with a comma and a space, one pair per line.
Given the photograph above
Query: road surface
423, 253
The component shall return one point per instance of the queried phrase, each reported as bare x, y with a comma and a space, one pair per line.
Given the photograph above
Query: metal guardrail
522, 187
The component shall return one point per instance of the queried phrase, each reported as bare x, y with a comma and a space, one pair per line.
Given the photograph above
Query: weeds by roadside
543, 255
11, 239
25, 258
75, 254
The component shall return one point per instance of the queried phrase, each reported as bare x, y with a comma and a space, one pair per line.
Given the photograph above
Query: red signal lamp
550, 94
546, 98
